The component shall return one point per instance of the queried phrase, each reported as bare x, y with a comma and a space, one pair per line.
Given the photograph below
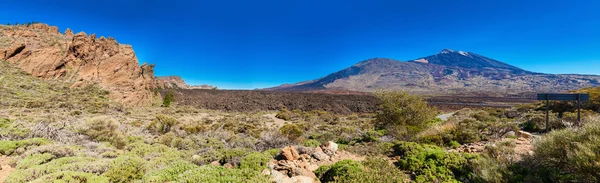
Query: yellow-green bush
162, 124
218, 174
169, 173
76, 164
72, 177
402, 114
255, 161
370, 170
291, 131
568, 155
7, 147
126, 169
105, 129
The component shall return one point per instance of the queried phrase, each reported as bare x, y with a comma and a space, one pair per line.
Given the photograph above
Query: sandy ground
276, 121
6, 169
444, 117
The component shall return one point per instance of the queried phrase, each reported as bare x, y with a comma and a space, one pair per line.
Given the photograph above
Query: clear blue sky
257, 43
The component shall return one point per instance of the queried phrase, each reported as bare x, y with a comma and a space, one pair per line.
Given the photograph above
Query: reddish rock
290, 153
81, 59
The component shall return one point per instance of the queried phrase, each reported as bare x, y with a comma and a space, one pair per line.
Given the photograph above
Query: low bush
162, 124
345, 169
311, 143
291, 131
105, 129
218, 174
169, 173
71, 177
431, 163
568, 155
7, 147
255, 161
402, 114
126, 169
370, 170
75, 164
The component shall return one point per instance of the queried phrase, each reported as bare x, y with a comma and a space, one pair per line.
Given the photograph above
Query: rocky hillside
448, 72
79, 59
176, 82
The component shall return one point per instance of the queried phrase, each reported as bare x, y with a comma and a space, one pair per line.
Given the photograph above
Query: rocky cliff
176, 82
80, 59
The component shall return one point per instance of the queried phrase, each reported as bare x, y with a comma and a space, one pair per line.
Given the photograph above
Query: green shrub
536, 122
162, 124
345, 169
34, 159
126, 169
433, 164
169, 173
568, 155
255, 161
272, 152
402, 114
291, 131
76, 164
105, 129
311, 143
218, 174
284, 114
233, 156
7, 147
168, 99
72, 177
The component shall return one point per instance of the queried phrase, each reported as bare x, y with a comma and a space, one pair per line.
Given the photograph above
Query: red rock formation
41, 50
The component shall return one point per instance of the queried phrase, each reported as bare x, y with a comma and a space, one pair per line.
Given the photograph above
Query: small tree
402, 114
169, 97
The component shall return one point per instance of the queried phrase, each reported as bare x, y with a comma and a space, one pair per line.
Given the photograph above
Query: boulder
525, 134
510, 134
279, 177
302, 179
302, 172
320, 155
290, 153
329, 148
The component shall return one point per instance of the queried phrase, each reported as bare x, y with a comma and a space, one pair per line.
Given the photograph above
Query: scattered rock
216, 163
525, 134
266, 172
302, 172
279, 177
290, 153
228, 165
302, 179
510, 134
329, 148
320, 155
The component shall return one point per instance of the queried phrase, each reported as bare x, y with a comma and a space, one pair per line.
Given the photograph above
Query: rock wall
81, 59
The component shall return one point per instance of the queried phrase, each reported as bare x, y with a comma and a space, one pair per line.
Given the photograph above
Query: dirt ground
6, 169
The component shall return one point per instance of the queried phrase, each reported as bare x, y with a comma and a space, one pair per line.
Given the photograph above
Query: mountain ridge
448, 71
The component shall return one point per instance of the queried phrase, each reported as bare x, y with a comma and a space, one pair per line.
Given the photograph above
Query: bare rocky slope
448, 72
80, 59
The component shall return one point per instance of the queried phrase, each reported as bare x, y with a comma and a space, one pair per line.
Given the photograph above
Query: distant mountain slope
447, 72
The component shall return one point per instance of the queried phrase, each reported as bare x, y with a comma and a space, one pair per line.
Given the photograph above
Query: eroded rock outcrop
176, 82
81, 59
